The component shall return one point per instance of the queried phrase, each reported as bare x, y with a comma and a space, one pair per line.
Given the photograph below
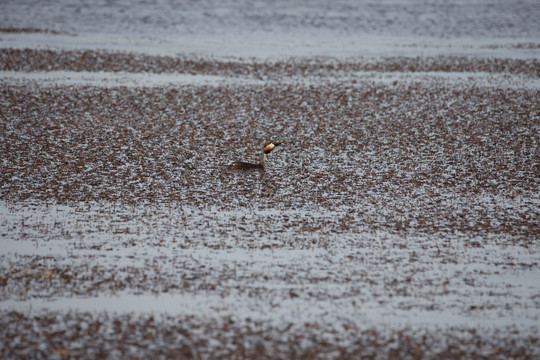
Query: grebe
240, 165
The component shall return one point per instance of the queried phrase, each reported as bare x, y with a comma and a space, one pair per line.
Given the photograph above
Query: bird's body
241, 165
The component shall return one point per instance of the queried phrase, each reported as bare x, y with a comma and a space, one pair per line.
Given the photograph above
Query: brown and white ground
400, 218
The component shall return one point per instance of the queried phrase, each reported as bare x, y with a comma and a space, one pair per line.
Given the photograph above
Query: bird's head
269, 147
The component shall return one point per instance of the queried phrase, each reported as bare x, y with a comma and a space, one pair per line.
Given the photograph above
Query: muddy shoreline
92, 60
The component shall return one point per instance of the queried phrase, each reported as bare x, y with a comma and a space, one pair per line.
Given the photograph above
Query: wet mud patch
407, 157
94, 60
131, 336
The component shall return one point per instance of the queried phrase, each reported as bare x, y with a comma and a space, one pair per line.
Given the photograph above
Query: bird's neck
262, 159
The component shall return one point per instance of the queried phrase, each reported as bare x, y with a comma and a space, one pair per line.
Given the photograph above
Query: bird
241, 165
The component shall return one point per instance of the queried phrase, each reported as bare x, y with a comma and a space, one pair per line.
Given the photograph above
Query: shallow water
368, 278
